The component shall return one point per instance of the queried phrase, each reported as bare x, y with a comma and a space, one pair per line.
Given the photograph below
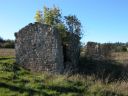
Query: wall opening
66, 57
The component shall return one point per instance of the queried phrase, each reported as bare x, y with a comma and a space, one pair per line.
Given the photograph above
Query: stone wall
40, 48
98, 51
72, 53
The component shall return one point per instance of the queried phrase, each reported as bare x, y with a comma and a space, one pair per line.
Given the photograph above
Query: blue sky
102, 20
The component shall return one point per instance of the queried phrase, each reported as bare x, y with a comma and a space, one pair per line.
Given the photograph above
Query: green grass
16, 81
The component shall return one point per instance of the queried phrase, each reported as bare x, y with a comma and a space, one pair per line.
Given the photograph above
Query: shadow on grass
109, 93
103, 69
6, 58
63, 89
30, 91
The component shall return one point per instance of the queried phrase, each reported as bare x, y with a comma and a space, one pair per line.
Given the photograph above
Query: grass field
16, 81
121, 57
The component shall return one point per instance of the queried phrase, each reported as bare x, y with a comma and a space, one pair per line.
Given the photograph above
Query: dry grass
7, 52
121, 87
121, 57
22, 82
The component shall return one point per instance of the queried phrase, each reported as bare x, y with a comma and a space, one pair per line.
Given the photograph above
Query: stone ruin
98, 51
39, 48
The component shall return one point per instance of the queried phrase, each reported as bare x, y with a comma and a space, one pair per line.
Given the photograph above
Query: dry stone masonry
39, 47
98, 51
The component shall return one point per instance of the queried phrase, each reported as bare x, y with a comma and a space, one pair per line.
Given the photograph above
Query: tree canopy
73, 24
38, 16
53, 16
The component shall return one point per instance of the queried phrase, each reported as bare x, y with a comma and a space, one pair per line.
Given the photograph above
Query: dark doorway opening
66, 55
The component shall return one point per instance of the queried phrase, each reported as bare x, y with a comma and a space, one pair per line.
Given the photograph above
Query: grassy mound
16, 81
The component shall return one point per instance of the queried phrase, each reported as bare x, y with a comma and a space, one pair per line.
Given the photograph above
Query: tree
2, 40
53, 17
50, 16
124, 49
73, 24
38, 17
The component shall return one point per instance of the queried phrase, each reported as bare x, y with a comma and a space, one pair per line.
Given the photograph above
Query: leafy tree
52, 16
124, 49
38, 17
1, 39
73, 24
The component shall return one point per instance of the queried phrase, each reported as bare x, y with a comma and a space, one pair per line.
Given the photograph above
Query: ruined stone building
39, 47
98, 51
